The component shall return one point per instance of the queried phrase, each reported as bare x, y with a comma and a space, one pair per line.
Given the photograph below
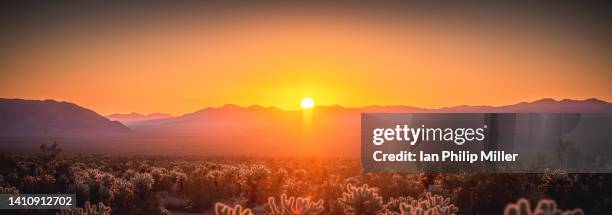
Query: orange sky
183, 64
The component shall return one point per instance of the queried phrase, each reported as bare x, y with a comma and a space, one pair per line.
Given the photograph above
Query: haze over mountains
134, 117
257, 116
225, 130
35, 117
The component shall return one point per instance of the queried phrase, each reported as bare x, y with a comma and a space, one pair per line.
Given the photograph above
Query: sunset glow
341, 58
307, 103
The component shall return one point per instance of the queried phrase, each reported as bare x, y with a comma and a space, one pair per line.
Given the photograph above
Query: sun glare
307, 103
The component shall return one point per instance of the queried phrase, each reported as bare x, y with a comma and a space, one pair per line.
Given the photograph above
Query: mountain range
258, 116
36, 117
230, 129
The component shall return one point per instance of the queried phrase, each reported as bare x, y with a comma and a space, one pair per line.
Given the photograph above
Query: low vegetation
161, 185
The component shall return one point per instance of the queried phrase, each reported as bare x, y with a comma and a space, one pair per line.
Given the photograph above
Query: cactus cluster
157, 184
294, 206
544, 207
393, 206
223, 209
429, 204
361, 200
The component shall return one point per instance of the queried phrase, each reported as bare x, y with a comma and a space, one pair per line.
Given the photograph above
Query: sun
307, 103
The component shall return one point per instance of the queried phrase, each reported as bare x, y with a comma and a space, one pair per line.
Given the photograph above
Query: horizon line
324, 106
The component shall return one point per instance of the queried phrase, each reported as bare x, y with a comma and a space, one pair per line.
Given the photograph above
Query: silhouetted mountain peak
229, 107
49, 117
544, 101
596, 101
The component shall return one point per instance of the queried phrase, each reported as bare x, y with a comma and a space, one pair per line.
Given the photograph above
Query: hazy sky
181, 58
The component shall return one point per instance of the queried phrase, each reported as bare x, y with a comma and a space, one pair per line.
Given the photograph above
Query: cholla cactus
544, 207
88, 209
142, 183
124, 195
255, 172
295, 187
361, 200
106, 187
331, 189
163, 181
293, 206
430, 204
123, 188
93, 185
146, 200
179, 180
222, 209
252, 176
393, 206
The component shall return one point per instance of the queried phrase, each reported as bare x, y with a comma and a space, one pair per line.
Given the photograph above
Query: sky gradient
180, 58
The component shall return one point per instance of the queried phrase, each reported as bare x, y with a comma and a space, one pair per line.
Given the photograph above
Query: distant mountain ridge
133, 117
257, 116
546, 105
19, 117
